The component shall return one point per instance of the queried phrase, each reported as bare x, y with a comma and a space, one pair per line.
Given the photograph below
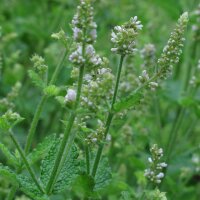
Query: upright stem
67, 132
34, 123
22, 154
109, 119
41, 105
87, 158
11, 193
36, 119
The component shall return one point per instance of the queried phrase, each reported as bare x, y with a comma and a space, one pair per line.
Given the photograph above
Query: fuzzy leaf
68, 172
42, 149
30, 189
51, 90
10, 157
103, 176
48, 162
128, 102
9, 174
36, 79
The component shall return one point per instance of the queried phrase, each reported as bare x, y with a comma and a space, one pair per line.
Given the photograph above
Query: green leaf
4, 125
155, 195
42, 149
126, 195
51, 90
69, 170
9, 174
103, 175
83, 186
61, 100
36, 79
10, 157
187, 102
30, 189
128, 102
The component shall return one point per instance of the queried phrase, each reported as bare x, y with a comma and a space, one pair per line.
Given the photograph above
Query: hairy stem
25, 161
67, 132
40, 106
109, 119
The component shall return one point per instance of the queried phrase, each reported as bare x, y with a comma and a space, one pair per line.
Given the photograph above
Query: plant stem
37, 116
41, 105
87, 158
34, 123
109, 119
25, 161
11, 193
67, 132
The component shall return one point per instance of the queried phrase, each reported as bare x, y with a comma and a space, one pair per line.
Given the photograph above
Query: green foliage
131, 101
51, 90
36, 79
41, 149
29, 188
68, 172
103, 176
155, 195
7, 173
9, 156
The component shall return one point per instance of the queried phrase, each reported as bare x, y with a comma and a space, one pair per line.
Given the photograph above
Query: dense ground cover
130, 134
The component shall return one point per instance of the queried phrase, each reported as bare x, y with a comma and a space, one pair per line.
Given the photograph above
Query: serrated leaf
42, 149
36, 79
68, 171
103, 175
30, 189
48, 162
9, 174
128, 102
51, 90
10, 157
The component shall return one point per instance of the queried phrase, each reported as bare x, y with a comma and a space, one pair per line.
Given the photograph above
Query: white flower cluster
173, 49
144, 77
154, 172
39, 64
124, 37
84, 32
82, 21
148, 55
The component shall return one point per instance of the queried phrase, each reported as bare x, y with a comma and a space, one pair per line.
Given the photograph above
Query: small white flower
71, 95
163, 164
160, 175
150, 159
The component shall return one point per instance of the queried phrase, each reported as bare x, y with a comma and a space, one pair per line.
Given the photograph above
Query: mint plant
72, 164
